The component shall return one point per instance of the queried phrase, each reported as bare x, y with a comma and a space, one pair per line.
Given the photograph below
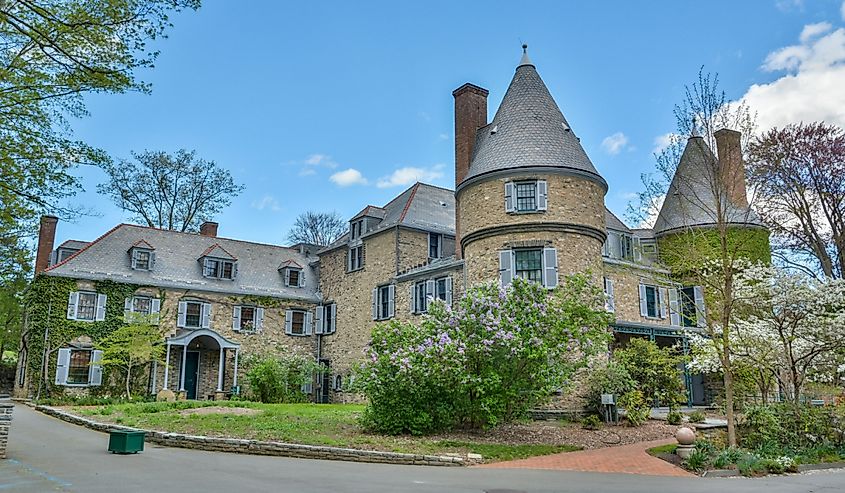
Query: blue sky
289, 95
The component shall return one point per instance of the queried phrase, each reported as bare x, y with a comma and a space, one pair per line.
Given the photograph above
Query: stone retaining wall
5, 425
258, 447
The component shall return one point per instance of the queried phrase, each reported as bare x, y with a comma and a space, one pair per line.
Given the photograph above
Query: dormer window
217, 263
142, 256
435, 245
293, 272
356, 229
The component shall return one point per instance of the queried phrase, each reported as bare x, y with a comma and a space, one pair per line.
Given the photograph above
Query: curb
259, 447
733, 473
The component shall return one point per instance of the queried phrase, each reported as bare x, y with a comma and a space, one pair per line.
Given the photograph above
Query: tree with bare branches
317, 228
798, 173
170, 192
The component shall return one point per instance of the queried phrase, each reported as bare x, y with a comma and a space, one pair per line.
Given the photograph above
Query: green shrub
786, 427
277, 379
591, 422
495, 355
674, 417
697, 417
729, 456
610, 378
636, 408
654, 369
752, 465
697, 461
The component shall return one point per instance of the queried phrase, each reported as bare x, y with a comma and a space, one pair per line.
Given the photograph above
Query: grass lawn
324, 424
669, 448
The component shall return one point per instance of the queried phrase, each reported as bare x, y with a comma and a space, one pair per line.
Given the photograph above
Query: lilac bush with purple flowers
496, 354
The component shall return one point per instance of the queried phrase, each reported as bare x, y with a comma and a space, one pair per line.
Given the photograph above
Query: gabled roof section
217, 251
528, 131
370, 211
74, 244
143, 244
691, 200
176, 264
613, 222
289, 264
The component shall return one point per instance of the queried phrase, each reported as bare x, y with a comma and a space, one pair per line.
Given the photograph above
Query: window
219, 268
383, 302
338, 383
534, 264
626, 247
247, 318
526, 196
79, 367
326, 318
435, 245
143, 306
64, 254
419, 297
443, 289
298, 322
194, 314
294, 277
529, 264
86, 306
609, 304
356, 229
142, 259
651, 301
356, 258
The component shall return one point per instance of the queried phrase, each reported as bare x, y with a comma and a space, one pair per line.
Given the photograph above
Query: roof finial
525, 60
693, 132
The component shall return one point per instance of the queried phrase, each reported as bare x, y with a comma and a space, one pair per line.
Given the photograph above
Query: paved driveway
46, 454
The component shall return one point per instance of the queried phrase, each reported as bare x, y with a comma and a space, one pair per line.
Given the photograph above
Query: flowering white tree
788, 325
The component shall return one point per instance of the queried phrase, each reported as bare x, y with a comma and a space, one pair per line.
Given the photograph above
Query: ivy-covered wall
689, 250
45, 304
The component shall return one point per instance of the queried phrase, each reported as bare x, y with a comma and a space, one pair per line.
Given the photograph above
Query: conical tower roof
691, 200
529, 131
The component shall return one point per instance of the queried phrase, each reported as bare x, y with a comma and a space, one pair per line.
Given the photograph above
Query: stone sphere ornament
685, 436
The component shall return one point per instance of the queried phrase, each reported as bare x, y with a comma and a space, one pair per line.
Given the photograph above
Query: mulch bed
557, 433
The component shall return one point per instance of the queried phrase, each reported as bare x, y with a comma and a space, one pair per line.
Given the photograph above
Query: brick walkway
629, 459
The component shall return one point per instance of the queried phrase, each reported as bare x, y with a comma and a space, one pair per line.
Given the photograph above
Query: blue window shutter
287, 276
309, 323
506, 267
391, 298
62, 364
550, 267
155, 311
542, 195
375, 304
95, 374
259, 318
236, 318
700, 308
72, 303
412, 293
661, 302
133, 258
333, 325
509, 201
430, 288
449, 291
318, 320
183, 310
289, 322
674, 307
152, 260
643, 302
608, 290
101, 308
206, 315
127, 310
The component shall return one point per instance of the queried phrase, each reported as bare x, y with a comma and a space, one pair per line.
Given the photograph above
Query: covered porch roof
184, 337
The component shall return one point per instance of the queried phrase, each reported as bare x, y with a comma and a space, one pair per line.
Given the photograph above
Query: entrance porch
196, 365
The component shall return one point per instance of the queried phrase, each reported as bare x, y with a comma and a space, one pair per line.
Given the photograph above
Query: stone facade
627, 277
5, 426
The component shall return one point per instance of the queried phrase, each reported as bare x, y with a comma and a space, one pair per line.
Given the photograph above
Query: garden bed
337, 426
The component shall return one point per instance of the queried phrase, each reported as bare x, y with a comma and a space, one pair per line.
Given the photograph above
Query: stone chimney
209, 228
731, 165
46, 239
470, 115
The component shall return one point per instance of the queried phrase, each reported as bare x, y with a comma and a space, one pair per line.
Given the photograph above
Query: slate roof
176, 264
422, 206
611, 221
528, 130
73, 244
690, 200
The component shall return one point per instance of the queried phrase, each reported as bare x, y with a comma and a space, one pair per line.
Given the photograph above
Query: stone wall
412, 248
626, 294
353, 292
5, 426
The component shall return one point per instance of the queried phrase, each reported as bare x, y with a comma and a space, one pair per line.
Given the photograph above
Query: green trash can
126, 441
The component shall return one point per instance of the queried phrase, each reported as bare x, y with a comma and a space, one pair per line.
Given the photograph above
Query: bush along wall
46, 301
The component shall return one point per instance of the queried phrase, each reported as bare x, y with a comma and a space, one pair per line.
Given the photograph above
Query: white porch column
235, 378
182, 371
167, 367
155, 375
220, 370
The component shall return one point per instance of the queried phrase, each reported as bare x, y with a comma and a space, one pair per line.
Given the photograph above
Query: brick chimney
731, 165
209, 228
470, 115
46, 239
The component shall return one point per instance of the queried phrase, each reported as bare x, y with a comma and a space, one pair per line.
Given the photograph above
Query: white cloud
443, 137
348, 177
307, 172
663, 141
789, 5
411, 174
315, 161
614, 144
813, 85
266, 202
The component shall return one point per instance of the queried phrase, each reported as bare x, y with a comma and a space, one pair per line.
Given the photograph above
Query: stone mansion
527, 202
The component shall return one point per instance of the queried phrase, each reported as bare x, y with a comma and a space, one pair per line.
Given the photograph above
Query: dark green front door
192, 366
